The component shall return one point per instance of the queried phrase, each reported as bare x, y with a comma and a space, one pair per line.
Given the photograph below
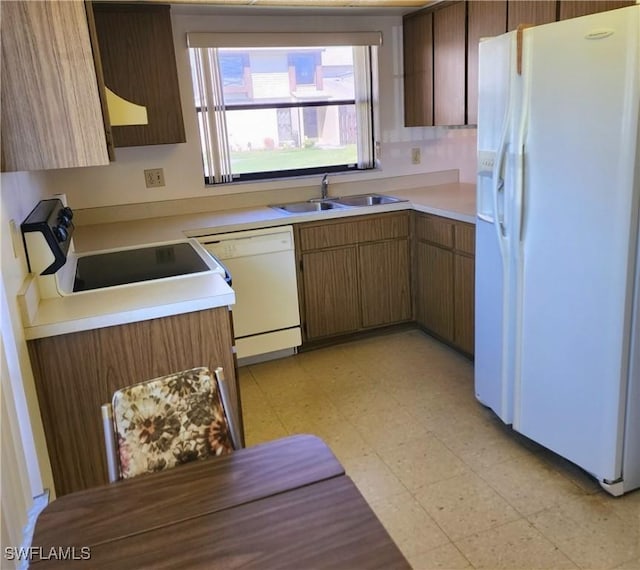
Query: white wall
26, 470
123, 183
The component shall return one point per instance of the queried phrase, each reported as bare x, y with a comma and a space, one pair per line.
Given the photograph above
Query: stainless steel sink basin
366, 200
336, 203
311, 206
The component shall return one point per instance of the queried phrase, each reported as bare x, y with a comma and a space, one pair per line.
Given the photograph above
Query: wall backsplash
122, 182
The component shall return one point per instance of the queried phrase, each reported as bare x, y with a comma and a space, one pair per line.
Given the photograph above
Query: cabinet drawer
387, 227
360, 229
435, 229
465, 238
328, 235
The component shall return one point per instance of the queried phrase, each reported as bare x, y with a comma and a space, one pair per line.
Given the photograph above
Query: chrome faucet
324, 186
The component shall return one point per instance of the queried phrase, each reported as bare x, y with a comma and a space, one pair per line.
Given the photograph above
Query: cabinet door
418, 70
485, 19
533, 12
76, 373
434, 289
331, 299
138, 59
51, 112
576, 8
464, 279
449, 65
384, 282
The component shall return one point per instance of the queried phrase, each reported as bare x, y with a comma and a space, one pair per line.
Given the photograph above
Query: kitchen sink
366, 200
310, 206
337, 203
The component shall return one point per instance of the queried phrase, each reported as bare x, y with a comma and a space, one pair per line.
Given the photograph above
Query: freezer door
491, 386
493, 345
494, 92
578, 237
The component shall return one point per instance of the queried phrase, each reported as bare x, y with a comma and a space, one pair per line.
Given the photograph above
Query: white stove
47, 234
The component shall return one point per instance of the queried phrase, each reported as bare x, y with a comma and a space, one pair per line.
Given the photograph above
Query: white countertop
126, 304
155, 299
456, 201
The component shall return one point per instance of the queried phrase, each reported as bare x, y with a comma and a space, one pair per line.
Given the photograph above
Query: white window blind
291, 39
212, 119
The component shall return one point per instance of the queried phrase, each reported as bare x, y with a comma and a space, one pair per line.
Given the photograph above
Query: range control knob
60, 233
65, 216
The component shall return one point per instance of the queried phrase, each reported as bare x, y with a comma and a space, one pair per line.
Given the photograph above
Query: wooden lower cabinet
331, 293
355, 274
464, 295
444, 279
384, 282
76, 373
434, 289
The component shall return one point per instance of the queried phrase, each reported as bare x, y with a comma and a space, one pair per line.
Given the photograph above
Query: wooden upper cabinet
51, 112
484, 19
533, 12
449, 64
138, 60
418, 69
575, 8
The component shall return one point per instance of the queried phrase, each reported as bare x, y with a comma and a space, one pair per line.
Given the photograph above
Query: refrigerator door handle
498, 191
520, 195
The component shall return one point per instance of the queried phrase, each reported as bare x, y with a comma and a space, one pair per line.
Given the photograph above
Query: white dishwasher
266, 316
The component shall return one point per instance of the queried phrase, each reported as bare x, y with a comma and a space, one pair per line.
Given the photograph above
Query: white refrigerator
557, 255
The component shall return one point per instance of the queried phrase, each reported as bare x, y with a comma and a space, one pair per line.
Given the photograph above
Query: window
271, 111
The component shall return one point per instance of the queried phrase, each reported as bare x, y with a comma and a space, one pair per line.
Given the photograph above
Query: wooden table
284, 504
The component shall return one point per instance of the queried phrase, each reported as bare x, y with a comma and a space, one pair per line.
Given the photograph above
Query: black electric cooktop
135, 265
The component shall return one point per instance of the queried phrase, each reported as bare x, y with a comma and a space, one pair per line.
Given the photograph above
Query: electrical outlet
415, 155
154, 177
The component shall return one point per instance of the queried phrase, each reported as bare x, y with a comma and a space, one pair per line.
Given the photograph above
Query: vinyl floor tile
409, 525
465, 505
446, 557
420, 462
530, 484
590, 532
515, 545
373, 477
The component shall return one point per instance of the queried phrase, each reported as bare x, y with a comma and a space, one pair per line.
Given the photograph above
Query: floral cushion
170, 420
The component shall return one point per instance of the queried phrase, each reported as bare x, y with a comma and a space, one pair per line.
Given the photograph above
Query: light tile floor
453, 486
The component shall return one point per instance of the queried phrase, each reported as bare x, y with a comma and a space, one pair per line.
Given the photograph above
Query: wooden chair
167, 421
